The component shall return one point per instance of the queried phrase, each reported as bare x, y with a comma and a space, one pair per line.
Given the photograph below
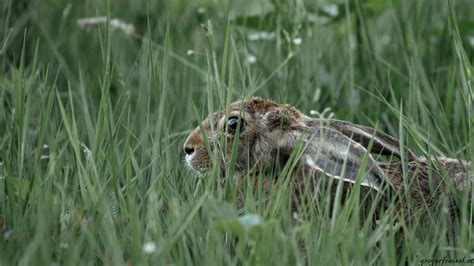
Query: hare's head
259, 133
249, 133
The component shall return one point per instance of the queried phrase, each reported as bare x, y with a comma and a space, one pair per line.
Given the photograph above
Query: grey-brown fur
332, 149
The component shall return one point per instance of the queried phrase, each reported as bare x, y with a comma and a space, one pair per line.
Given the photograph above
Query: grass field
93, 116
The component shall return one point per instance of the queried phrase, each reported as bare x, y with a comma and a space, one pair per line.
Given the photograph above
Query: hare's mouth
197, 166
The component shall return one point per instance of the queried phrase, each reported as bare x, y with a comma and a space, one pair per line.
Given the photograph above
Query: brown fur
272, 129
260, 116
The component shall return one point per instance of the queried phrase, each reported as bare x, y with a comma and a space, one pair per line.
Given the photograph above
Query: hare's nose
188, 150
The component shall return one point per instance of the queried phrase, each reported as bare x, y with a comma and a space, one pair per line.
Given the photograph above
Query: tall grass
92, 123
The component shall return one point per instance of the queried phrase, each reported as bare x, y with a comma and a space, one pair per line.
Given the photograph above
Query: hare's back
428, 177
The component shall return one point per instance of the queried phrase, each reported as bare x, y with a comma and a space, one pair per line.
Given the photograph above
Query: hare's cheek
199, 160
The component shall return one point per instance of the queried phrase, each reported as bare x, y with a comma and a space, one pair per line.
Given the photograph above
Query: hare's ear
283, 117
381, 143
333, 154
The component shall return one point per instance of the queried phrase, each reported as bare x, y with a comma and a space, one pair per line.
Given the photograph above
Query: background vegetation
93, 118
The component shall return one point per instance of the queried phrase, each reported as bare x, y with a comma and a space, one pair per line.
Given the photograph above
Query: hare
265, 134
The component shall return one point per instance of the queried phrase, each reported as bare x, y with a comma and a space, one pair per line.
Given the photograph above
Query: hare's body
266, 134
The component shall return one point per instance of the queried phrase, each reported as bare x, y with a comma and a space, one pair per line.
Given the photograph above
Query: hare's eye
233, 123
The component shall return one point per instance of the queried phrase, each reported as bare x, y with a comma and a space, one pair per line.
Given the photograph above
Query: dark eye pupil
233, 122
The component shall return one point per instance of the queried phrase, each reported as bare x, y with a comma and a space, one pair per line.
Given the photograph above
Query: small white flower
189, 52
123, 26
331, 9
470, 39
208, 27
251, 58
261, 36
296, 216
297, 41
87, 152
149, 247
115, 23
249, 220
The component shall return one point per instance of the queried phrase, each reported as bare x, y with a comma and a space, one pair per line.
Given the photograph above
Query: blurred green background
93, 117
